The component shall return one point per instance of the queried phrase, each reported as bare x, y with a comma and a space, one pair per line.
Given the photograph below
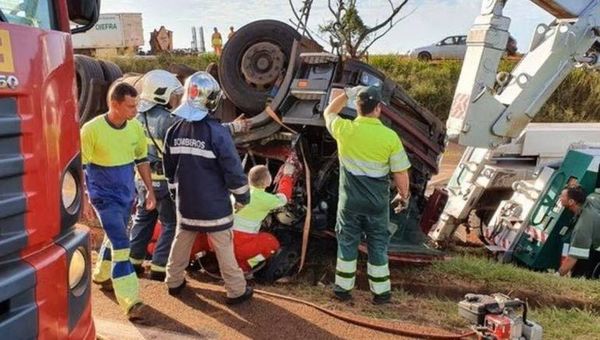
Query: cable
367, 324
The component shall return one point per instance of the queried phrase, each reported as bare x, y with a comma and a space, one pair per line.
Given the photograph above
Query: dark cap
370, 94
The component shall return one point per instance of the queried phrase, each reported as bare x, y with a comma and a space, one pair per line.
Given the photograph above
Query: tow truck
491, 109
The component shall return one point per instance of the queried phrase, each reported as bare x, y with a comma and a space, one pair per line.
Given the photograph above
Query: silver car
453, 47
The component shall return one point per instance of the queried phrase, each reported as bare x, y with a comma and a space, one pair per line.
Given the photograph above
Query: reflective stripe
172, 185
345, 266
157, 268
253, 262
206, 223
344, 283
102, 271
187, 150
136, 261
378, 271
240, 190
399, 161
120, 255
380, 287
246, 225
579, 252
365, 168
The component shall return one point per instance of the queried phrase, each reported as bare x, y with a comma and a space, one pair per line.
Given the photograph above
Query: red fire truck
44, 256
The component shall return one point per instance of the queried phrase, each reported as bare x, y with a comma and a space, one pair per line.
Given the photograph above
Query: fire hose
367, 324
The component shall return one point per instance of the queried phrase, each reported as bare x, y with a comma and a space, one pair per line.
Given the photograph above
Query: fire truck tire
245, 46
90, 86
111, 71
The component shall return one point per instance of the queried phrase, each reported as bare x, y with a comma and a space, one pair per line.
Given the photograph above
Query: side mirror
84, 13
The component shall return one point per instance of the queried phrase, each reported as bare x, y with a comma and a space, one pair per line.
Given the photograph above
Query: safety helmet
202, 95
157, 88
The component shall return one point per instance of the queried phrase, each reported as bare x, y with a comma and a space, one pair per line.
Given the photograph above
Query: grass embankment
566, 308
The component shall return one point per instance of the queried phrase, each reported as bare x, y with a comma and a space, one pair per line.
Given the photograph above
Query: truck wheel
253, 60
111, 71
281, 264
91, 86
424, 56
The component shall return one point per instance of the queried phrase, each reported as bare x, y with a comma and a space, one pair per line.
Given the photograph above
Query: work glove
352, 92
239, 125
400, 203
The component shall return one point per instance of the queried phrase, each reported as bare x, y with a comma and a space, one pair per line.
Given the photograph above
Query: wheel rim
262, 64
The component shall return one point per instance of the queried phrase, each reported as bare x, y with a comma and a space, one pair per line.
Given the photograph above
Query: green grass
510, 277
567, 324
143, 64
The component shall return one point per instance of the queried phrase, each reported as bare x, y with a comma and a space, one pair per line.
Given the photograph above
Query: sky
425, 21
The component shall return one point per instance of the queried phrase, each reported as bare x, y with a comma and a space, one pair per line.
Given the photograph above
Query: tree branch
375, 28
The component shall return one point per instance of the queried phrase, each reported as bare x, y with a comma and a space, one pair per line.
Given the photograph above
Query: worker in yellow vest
217, 42
368, 151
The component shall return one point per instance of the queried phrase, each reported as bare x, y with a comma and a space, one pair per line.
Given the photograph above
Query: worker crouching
203, 168
251, 246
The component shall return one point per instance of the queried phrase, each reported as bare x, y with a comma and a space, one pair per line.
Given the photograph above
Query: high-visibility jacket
368, 152
250, 217
216, 39
586, 233
156, 121
109, 154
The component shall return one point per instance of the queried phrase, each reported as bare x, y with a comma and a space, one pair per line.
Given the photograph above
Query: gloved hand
352, 92
401, 203
239, 125
238, 206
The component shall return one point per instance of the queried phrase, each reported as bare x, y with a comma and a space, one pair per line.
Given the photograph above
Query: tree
348, 33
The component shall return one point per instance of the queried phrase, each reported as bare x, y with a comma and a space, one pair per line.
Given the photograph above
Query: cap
371, 93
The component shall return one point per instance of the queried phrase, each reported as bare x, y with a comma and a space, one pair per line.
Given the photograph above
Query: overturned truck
282, 82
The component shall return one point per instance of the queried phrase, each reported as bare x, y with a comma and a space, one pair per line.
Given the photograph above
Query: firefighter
217, 41
251, 246
112, 145
161, 92
368, 151
584, 249
202, 167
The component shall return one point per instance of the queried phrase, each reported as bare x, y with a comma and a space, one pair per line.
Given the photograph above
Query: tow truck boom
490, 108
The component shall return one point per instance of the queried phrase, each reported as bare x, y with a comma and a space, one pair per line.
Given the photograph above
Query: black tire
424, 56
111, 71
282, 264
91, 86
247, 98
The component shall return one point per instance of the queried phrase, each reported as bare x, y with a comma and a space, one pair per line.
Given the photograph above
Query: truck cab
44, 256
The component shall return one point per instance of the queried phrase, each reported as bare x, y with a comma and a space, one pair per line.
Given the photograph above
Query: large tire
249, 98
91, 86
424, 56
111, 71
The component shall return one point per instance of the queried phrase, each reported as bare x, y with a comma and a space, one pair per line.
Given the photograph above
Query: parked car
452, 47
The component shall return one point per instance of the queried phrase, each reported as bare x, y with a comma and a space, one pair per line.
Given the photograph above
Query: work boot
341, 294
106, 285
177, 290
136, 312
382, 299
157, 276
139, 270
247, 295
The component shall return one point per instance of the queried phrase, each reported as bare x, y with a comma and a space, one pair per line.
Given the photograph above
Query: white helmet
157, 88
202, 95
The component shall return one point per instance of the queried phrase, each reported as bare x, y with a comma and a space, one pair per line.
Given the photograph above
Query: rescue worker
584, 249
112, 145
202, 167
251, 246
161, 92
231, 33
217, 42
368, 151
